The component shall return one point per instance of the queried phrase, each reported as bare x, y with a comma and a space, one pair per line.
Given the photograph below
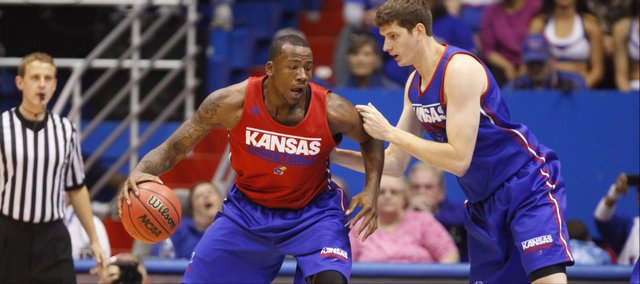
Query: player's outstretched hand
374, 122
131, 184
367, 201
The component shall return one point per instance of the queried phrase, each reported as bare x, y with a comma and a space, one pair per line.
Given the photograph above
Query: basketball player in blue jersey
515, 194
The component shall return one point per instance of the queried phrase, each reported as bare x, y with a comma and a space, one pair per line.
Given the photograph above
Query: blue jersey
502, 147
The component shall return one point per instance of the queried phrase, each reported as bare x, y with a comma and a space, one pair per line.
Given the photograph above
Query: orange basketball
153, 215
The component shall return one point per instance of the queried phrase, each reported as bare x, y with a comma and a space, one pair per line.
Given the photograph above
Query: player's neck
429, 58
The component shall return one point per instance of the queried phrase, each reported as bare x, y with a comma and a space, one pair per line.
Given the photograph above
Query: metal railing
76, 96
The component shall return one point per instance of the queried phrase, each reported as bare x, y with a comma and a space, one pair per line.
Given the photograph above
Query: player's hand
131, 184
374, 122
367, 201
98, 255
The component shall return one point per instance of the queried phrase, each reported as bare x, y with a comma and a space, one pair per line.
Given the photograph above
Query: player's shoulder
464, 64
230, 96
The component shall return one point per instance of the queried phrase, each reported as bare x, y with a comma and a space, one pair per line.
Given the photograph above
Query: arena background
595, 133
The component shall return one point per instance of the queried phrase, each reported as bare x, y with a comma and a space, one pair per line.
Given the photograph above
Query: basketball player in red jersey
281, 129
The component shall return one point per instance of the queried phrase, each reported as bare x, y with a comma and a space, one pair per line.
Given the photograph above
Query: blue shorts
247, 242
520, 228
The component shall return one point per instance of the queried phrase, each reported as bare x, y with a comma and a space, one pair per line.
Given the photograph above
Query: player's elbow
460, 167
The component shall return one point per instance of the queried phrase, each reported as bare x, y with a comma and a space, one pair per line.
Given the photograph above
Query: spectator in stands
124, 268
448, 27
583, 249
541, 73
626, 45
222, 14
403, 235
359, 18
621, 233
503, 29
608, 13
471, 13
575, 37
205, 201
428, 193
80, 242
364, 62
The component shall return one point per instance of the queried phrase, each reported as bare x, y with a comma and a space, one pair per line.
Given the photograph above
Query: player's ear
420, 30
268, 68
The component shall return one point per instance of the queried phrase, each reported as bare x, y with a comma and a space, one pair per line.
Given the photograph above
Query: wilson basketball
153, 215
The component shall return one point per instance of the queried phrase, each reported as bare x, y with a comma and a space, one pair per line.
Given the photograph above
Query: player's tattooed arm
187, 136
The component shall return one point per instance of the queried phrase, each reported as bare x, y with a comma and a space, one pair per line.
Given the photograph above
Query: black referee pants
35, 253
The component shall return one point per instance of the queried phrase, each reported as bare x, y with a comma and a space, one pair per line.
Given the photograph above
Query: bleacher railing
73, 95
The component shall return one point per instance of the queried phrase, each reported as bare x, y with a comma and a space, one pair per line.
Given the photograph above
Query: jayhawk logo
279, 170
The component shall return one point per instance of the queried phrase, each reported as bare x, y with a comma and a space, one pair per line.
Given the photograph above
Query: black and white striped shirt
38, 162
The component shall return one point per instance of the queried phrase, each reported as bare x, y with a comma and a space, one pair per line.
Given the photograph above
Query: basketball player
516, 197
281, 129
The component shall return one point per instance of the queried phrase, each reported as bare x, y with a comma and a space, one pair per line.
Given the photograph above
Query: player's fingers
124, 193
366, 222
356, 219
352, 205
373, 226
364, 212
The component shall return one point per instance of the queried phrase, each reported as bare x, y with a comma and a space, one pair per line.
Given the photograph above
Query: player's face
399, 43
392, 197
424, 183
291, 71
38, 84
205, 201
364, 62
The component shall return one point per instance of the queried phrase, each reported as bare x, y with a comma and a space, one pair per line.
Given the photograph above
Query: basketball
153, 215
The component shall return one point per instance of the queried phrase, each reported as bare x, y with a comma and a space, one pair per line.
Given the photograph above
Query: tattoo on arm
184, 139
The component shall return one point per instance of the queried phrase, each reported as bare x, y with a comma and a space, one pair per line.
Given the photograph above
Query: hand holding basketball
154, 214
131, 184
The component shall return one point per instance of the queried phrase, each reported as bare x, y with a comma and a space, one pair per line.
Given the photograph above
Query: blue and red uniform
283, 202
515, 194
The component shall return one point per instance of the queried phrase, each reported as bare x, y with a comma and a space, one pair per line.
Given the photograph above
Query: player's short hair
276, 45
34, 56
405, 13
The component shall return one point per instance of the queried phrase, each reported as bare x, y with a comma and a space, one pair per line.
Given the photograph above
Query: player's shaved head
276, 45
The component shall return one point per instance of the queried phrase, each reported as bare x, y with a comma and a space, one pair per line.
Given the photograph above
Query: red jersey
279, 166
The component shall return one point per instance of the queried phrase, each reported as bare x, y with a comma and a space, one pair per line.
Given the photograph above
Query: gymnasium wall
595, 133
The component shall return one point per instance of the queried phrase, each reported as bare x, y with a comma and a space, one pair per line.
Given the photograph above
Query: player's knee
550, 274
327, 276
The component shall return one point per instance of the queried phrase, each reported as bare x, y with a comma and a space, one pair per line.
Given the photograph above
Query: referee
39, 160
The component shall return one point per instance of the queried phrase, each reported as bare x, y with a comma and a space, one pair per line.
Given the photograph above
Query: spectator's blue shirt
558, 80
588, 253
184, 239
615, 231
452, 30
